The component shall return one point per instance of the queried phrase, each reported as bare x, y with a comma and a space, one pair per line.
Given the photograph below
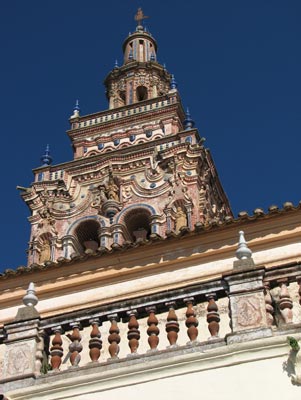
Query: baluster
285, 303
172, 325
268, 303
152, 330
39, 353
299, 291
133, 332
75, 346
191, 320
114, 337
56, 350
212, 316
95, 343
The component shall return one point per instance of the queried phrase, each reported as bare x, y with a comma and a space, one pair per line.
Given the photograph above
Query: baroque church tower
134, 251
140, 169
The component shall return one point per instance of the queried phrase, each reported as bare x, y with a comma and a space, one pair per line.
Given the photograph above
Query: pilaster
247, 303
23, 344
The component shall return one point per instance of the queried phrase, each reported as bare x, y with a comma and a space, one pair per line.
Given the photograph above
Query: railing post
22, 348
247, 304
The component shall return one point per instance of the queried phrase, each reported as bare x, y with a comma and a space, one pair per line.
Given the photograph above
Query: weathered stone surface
26, 313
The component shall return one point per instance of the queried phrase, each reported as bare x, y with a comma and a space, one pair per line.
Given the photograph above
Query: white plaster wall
252, 381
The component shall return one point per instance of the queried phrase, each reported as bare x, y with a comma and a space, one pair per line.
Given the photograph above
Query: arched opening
122, 95
138, 222
141, 93
87, 235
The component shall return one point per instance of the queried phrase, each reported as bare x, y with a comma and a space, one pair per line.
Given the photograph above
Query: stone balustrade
245, 304
112, 116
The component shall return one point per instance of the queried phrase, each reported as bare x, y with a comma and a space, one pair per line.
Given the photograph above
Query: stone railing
140, 326
112, 116
245, 304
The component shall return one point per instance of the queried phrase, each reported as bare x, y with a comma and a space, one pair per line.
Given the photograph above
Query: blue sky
237, 64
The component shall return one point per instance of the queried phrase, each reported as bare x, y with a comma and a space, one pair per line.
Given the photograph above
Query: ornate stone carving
106, 199
248, 311
45, 253
285, 303
19, 360
126, 193
180, 219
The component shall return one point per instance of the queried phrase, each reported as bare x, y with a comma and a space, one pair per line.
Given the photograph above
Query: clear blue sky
237, 64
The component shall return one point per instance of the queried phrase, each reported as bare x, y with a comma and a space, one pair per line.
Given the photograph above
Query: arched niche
87, 234
138, 223
45, 247
141, 93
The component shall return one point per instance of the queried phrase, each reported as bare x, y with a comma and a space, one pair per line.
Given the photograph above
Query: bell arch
85, 233
138, 221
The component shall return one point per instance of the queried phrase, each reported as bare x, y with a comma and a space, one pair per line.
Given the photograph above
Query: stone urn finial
30, 299
243, 252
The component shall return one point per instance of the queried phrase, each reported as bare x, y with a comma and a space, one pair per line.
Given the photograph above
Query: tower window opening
122, 95
87, 235
141, 93
138, 224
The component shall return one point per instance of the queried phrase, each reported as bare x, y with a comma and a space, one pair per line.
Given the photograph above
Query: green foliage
293, 343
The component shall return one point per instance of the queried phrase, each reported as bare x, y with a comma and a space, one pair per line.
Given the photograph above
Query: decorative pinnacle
243, 252
188, 121
173, 83
76, 110
30, 299
116, 64
46, 159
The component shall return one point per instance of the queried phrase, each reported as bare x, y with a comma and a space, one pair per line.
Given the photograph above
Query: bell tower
140, 170
140, 77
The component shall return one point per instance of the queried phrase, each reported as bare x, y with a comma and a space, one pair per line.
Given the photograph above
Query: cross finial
139, 17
